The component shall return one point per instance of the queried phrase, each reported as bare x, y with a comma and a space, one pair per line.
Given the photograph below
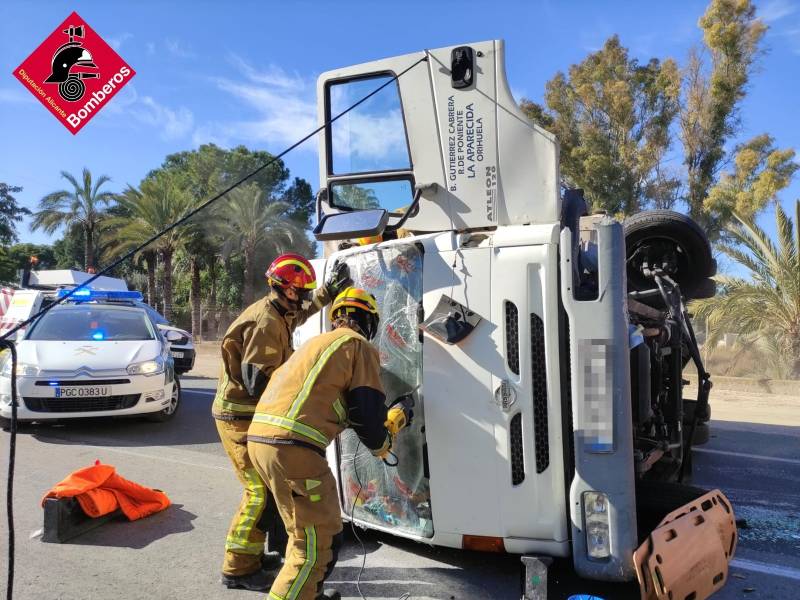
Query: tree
712, 94
11, 213
612, 117
255, 226
158, 202
18, 256
82, 205
760, 171
355, 196
764, 308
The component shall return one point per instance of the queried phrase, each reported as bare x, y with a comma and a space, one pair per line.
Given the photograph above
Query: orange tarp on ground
99, 491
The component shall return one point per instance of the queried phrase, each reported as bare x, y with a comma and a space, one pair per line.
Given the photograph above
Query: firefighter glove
338, 280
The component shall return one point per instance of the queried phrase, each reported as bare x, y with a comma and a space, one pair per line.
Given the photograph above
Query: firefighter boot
260, 581
271, 561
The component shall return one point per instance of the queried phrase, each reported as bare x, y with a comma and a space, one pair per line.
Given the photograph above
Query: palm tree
764, 308
254, 225
82, 205
157, 203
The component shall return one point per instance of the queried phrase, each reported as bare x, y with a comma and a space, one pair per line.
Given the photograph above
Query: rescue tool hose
5, 340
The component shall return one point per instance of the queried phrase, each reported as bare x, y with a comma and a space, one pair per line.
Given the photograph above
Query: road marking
791, 461
750, 565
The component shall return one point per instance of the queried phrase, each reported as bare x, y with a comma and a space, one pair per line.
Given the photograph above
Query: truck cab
505, 311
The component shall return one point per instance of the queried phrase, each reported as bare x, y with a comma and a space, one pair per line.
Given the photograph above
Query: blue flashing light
52, 383
82, 294
98, 335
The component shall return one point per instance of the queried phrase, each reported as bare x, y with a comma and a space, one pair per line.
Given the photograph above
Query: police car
99, 355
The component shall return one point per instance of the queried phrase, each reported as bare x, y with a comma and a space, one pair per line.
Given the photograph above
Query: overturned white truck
545, 348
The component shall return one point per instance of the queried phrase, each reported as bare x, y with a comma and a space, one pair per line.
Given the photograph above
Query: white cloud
117, 41
774, 10
170, 123
178, 48
151, 48
284, 105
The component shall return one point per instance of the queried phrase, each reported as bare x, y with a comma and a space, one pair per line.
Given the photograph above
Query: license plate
83, 391
176, 354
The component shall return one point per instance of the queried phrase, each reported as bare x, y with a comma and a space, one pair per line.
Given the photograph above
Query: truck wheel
5, 424
658, 236
167, 413
656, 499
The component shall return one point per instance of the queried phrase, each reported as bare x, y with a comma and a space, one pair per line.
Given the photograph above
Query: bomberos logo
74, 73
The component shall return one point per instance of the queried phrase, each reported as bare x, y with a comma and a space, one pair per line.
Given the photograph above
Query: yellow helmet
359, 305
366, 241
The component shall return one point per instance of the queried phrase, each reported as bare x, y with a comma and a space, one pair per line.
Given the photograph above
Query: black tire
652, 234
5, 424
169, 412
656, 499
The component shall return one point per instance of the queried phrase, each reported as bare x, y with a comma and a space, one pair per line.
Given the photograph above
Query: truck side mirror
347, 225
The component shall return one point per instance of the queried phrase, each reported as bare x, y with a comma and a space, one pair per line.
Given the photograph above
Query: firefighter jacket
332, 382
256, 344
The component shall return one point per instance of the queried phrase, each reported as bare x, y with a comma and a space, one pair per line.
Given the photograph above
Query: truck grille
539, 385
517, 451
512, 337
63, 405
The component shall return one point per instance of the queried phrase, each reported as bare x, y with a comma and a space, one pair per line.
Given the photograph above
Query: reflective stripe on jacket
332, 382
257, 342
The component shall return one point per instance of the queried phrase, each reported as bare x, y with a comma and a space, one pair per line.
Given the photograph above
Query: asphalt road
176, 554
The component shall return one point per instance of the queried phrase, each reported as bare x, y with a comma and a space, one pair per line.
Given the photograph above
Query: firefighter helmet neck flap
292, 272
357, 309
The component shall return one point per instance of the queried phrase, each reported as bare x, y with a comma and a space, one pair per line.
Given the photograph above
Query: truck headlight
5, 399
148, 367
595, 516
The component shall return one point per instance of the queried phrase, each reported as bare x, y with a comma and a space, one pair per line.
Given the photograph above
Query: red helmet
291, 270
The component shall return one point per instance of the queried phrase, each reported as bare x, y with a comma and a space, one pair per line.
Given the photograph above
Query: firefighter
256, 344
330, 383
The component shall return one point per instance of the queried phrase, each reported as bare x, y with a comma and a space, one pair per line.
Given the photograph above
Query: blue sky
245, 72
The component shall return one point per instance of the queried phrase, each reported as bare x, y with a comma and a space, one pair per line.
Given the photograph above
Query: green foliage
84, 204
760, 171
612, 117
355, 196
765, 307
260, 230
713, 91
614, 120
11, 213
18, 256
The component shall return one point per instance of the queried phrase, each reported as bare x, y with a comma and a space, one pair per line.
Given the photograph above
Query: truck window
372, 136
391, 195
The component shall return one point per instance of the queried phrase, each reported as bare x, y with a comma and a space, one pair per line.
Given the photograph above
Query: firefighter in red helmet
256, 344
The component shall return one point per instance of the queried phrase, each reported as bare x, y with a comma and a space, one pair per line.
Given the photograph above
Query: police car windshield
92, 322
155, 316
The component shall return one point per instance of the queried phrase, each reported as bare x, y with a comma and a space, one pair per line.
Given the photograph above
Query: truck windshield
92, 323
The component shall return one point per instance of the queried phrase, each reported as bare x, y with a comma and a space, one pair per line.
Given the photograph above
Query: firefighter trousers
305, 493
244, 545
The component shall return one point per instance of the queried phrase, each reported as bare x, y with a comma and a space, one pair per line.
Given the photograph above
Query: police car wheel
167, 413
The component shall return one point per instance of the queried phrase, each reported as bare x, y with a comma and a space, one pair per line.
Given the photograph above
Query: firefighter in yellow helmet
332, 382
256, 344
